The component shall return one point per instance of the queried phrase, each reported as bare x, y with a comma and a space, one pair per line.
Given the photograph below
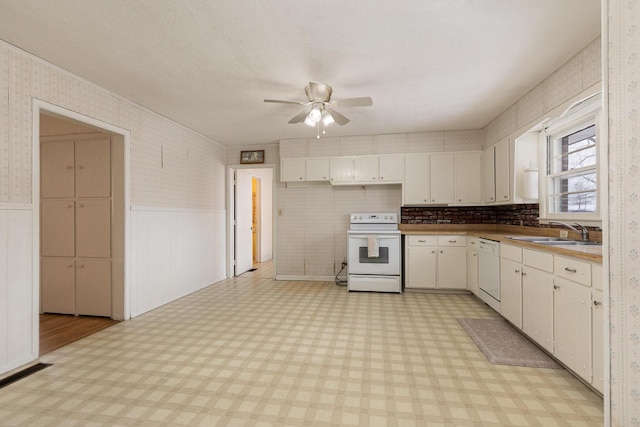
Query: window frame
580, 116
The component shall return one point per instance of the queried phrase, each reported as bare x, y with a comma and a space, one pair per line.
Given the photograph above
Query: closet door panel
57, 169
93, 228
57, 227
58, 277
93, 287
93, 168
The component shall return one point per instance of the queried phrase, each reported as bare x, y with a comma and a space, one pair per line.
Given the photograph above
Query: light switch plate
564, 234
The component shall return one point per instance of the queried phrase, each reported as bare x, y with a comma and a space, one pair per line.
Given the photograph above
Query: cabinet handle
69, 207
516, 271
433, 252
491, 198
381, 178
506, 197
556, 287
422, 241
81, 266
80, 167
70, 265
459, 200
524, 274
433, 200
452, 241
81, 205
597, 303
441, 252
570, 270
69, 167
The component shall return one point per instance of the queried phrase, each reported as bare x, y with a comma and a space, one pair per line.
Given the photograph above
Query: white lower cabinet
537, 306
511, 291
435, 262
572, 326
472, 265
597, 341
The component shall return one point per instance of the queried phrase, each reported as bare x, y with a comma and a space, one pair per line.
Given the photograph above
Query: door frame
121, 294
231, 209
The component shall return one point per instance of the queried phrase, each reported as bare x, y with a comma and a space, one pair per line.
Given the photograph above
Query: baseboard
304, 278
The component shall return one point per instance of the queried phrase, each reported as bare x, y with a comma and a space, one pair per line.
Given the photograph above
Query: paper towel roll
530, 184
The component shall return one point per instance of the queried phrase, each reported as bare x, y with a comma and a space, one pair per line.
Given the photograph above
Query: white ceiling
427, 64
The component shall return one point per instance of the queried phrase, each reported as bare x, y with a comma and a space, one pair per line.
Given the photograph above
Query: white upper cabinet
391, 169
468, 174
496, 177
292, 170
416, 189
317, 169
341, 170
442, 177
365, 169
503, 188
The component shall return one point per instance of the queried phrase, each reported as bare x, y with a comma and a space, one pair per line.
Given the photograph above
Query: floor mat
503, 345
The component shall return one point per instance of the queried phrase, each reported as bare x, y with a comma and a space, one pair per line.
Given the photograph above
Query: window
572, 171
571, 184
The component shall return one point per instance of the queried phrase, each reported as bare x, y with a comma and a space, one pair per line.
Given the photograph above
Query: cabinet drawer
513, 253
422, 240
572, 269
452, 240
540, 260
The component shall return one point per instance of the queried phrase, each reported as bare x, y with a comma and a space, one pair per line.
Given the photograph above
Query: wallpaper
624, 209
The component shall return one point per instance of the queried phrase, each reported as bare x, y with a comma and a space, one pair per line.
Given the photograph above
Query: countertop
501, 233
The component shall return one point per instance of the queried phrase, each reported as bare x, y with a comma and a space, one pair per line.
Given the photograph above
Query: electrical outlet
564, 234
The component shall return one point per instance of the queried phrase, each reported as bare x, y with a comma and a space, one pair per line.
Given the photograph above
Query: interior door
244, 222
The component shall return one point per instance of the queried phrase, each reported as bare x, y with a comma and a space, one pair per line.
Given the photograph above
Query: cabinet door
537, 306
365, 169
391, 168
58, 282
93, 228
57, 177
468, 177
502, 171
472, 271
452, 268
597, 341
417, 179
317, 169
341, 170
442, 178
420, 267
511, 291
93, 168
93, 287
489, 175
58, 218
572, 326
292, 170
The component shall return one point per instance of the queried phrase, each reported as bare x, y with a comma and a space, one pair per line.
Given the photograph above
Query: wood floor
58, 330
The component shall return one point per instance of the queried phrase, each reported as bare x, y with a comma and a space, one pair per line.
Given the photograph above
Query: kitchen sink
539, 239
568, 243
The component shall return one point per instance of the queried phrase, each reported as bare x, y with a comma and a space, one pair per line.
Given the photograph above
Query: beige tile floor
256, 352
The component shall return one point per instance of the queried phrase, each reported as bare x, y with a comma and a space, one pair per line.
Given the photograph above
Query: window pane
574, 193
578, 149
577, 202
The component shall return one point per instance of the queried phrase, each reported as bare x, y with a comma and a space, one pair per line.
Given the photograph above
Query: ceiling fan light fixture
315, 114
309, 121
327, 118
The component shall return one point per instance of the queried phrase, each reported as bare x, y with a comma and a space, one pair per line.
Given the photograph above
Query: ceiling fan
320, 108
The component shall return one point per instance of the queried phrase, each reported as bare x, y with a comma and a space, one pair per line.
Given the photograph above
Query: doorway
81, 195
251, 195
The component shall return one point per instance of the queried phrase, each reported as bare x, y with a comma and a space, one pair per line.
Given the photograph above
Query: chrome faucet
584, 231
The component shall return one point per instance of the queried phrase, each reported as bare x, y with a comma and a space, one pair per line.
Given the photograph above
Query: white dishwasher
489, 272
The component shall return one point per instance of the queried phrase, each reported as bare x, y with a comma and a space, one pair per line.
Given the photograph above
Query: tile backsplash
521, 214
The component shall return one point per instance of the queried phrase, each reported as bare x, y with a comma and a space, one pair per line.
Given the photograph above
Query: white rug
503, 345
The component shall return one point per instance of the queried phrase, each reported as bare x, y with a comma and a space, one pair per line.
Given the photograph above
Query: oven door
386, 263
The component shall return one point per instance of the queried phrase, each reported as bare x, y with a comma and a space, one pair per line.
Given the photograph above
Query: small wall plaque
248, 157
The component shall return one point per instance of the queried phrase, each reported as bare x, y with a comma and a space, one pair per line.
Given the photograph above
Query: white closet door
57, 227
57, 169
93, 287
93, 168
93, 228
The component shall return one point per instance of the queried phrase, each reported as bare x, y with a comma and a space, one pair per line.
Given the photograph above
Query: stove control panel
374, 218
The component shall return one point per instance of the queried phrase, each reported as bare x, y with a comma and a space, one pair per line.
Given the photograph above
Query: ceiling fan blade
339, 118
298, 117
280, 101
364, 101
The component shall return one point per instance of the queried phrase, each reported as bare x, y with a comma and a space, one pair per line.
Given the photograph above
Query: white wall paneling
174, 253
